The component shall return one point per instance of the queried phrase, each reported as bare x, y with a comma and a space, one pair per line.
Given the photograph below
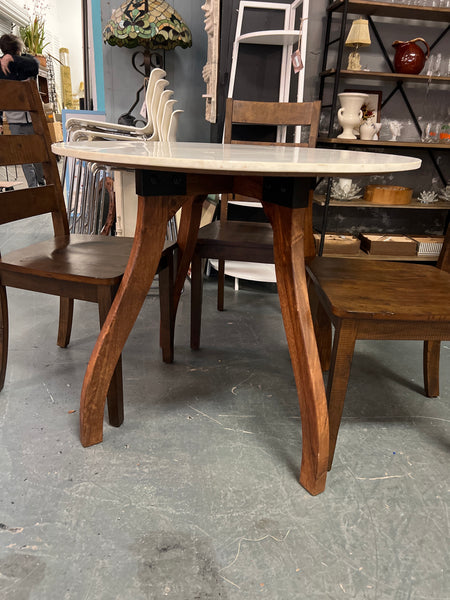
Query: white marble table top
196, 157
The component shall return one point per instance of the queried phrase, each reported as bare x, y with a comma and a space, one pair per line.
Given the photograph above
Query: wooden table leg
187, 238
153, 215
288, 232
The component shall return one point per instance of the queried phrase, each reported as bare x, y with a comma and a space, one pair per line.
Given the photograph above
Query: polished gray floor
196, 496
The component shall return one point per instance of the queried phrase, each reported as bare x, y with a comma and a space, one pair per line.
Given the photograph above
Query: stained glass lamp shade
152, 24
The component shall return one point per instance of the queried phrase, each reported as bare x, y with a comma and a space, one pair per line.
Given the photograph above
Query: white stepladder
286, 37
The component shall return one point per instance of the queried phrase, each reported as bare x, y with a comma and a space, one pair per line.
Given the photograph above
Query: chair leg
431, 356
167, 322
196, 300
221, 285
3, 334
322, 328
115, 391
65, 321
341, 362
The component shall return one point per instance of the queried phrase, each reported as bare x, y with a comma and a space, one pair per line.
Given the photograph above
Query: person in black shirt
17, 66
14, 64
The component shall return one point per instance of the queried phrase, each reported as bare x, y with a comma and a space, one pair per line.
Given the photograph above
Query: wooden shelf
414, 204
383, 143
347, 74
401, 11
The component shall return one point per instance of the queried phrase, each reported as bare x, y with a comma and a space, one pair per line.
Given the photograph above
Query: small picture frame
372, 107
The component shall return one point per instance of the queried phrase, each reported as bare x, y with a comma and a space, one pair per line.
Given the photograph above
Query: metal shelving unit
341, 9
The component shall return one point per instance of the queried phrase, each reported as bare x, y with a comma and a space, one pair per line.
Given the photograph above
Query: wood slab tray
388, 194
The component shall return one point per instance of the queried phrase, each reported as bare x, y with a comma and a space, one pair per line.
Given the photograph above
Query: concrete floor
196, 496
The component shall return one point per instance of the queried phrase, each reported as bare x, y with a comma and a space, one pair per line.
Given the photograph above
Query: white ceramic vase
367, 130
350, 113
377, 131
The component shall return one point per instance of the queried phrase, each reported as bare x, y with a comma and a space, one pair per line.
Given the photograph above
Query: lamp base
150, 60
354, 63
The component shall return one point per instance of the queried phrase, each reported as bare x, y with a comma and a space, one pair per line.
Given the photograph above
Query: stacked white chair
79, 123
162, 120
162, 125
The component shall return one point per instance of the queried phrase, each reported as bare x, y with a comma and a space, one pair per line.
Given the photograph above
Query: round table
170, 175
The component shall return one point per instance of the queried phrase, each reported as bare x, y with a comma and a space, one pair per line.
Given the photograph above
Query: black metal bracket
160, 183
292, 192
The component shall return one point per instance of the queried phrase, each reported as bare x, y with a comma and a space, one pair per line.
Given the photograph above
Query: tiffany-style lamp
152, 24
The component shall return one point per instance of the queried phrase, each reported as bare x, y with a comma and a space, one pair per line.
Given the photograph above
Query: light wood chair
237, 240
377, 300
84, 267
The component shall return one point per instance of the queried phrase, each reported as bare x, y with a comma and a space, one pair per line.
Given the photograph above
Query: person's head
11, 44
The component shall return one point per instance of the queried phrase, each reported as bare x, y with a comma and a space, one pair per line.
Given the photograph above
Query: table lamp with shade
152, 24
358, 36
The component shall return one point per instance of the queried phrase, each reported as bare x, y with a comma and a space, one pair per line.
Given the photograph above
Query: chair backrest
173, 125
165, 97
156, 101
165, 120
243, 112
155, 76
25, 149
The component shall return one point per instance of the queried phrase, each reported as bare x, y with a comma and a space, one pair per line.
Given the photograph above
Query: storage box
428, 245
56, 132
336, 243
393, 244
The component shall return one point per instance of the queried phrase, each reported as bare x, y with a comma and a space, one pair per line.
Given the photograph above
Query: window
11, 15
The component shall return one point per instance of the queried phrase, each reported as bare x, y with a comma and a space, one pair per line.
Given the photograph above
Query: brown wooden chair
83, 267
239, 240
377, 300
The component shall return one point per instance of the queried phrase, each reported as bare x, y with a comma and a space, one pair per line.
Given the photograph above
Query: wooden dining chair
241, 240
83, 267
377, 300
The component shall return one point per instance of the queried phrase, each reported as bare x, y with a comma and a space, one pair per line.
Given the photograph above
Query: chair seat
381, 290
96, 259
100, 260
237, 240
